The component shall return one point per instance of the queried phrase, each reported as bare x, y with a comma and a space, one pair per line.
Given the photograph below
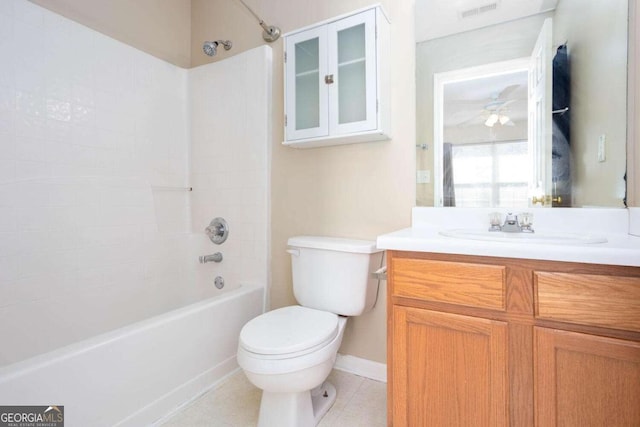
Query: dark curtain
449, 193
561, 136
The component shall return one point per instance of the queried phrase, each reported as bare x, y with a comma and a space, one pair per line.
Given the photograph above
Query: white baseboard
362, 367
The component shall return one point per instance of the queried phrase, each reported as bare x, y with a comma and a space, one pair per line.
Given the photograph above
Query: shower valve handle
218, 230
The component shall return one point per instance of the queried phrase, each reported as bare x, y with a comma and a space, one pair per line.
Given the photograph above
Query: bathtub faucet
217, 257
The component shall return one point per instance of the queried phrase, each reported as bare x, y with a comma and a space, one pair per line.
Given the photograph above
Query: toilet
289, 352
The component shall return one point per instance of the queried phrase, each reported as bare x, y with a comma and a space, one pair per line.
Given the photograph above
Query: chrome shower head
210, 48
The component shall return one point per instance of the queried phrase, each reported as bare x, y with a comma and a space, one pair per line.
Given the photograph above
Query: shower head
210, 48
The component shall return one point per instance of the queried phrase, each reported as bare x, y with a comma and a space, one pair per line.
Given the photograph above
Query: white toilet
289, 352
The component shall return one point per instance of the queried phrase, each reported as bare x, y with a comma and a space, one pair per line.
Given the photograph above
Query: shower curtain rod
271, 33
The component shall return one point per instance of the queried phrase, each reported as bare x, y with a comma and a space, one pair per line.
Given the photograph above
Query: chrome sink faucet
521, 223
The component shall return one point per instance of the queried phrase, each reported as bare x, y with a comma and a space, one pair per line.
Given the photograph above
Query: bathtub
137, 374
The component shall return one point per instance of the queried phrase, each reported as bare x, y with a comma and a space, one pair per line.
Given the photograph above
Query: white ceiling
469, 102
439, 18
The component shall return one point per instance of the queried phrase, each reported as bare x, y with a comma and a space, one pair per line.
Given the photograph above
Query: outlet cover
423, 176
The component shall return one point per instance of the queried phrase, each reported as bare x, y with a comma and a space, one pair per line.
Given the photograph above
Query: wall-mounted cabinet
336, 81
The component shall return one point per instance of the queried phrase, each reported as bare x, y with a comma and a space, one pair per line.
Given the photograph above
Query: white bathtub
139, 373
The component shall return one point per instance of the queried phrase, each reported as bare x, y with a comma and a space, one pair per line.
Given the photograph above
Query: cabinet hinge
285, 57
377, 104
285, 120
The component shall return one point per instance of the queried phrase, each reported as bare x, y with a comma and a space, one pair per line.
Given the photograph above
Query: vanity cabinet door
585, 380
448, 369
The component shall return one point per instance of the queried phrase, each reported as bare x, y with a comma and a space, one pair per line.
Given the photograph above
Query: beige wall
161, 28
359, 190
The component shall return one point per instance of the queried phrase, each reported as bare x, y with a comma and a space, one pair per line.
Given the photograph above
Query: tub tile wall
88, 127
230, 146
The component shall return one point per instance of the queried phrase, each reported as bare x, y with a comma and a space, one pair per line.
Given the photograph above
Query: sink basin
547, 238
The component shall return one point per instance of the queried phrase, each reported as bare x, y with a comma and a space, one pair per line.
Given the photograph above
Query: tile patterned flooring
235, 403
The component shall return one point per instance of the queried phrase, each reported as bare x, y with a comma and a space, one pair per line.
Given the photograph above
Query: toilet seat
288, 332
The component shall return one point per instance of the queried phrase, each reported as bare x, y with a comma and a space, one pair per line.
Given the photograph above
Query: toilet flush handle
293, 252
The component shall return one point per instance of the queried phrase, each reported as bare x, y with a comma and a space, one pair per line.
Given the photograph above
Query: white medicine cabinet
336, 81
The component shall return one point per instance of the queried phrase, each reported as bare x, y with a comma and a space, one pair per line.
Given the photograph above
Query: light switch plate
423, 176
602, 148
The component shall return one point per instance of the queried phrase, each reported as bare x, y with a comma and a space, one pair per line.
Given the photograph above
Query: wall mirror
521, 103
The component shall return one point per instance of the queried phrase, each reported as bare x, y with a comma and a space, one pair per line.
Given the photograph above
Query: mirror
521, 104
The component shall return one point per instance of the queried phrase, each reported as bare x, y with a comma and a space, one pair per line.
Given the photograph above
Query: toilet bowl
291, 363
289, 352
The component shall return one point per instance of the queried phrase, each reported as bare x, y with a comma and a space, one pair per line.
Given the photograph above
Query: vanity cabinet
336, 81
487, 341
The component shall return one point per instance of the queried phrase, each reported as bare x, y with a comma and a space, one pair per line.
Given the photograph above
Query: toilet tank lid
334, 244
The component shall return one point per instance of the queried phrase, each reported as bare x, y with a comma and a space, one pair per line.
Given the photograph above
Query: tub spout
217, 257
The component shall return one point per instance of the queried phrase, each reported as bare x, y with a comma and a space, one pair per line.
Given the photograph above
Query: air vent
478, 10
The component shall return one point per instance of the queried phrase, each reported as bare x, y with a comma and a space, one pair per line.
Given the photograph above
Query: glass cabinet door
352, 96
307, 110
331, 81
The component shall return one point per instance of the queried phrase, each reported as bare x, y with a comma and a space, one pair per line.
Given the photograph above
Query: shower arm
271, 33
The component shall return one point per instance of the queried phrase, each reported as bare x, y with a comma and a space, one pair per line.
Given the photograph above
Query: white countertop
621, 248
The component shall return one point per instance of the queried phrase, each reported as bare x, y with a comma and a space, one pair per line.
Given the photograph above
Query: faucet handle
526, 218
495, 221
526, 221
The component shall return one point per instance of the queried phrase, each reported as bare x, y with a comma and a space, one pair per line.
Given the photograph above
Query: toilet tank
333, 274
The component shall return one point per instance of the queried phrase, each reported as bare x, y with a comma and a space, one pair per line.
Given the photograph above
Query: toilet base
322, 397
303, 409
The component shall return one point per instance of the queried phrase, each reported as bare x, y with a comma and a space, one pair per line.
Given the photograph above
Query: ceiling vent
475, 11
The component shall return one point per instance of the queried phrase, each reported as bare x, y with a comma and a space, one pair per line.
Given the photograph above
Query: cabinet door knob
328, 79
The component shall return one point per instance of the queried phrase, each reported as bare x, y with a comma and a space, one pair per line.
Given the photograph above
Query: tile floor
235, 403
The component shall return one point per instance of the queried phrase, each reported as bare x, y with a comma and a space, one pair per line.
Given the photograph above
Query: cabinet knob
328, 79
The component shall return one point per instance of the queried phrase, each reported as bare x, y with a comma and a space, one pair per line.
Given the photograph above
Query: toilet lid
288, 330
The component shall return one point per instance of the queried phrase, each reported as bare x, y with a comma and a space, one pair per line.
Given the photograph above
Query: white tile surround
230, 159
92, 132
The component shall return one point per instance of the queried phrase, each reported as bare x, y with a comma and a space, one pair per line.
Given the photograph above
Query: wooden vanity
488, 341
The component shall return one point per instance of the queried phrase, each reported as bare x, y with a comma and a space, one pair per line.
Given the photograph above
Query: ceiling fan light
504, 120
491, 120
